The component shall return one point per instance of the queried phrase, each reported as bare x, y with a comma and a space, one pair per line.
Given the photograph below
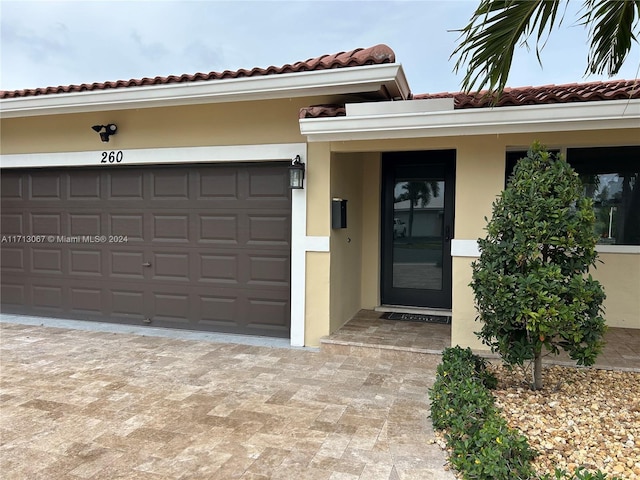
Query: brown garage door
203, 248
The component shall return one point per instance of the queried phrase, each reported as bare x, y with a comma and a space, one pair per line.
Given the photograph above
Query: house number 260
112, 157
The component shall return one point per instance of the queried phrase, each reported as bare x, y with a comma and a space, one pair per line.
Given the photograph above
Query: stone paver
98, 405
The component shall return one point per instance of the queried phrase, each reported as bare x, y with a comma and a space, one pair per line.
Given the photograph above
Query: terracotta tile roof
377, 54
547, 94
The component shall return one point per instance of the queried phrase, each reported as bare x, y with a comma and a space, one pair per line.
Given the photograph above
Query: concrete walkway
87, 404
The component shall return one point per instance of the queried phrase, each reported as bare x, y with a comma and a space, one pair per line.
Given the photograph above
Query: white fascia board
369, 78
477, 121
158, 156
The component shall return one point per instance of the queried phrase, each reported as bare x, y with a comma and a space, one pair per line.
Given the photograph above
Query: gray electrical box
338, 213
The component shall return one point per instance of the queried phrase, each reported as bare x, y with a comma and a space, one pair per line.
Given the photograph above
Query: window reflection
615, 201
418, 212
611, 178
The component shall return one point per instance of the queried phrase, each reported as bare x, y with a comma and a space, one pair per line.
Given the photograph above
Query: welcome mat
414, 317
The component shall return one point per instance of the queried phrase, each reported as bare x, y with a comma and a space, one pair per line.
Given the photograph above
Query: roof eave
340, 81
478, 121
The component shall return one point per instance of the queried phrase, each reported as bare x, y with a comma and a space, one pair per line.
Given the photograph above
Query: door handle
146, 264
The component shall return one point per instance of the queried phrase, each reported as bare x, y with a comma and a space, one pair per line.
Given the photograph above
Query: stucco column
317, 297
479, 179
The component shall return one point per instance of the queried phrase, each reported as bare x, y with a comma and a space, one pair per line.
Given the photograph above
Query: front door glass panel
418, 233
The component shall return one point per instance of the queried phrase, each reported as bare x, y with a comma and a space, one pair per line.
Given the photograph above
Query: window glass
611, 178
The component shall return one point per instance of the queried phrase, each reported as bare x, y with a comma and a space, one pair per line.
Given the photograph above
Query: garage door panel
268, 230
268, 185
170, 266
267, 312
47, 260
125, 185
218, 229
207, 247
48, 297
13, 292
173, 228
170, 185
45, 186
129, 303
85, 262
87, 300
12, 185
268, 270
85, 224
218, 184
218, 268
12, 224
12, 259
130, 225
218, 311
85, 185
172, 307
45, 223
128, 264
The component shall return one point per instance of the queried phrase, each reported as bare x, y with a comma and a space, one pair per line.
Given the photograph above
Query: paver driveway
96, 405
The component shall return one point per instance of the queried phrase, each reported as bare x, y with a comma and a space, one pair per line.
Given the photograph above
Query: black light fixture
296, 174
105, 131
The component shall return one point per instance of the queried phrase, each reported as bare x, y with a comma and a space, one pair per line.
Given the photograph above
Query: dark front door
417, 228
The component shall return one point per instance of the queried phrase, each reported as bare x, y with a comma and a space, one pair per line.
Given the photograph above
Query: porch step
413, 310
391, 353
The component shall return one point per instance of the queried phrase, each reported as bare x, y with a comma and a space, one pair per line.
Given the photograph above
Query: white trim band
155, 156
470, 248
612, 114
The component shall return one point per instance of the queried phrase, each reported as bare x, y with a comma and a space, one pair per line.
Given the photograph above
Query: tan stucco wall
318, 267
463, 323
318, 186
346, 243
317, 298
370, 258
620, 275
239, 123
480, 162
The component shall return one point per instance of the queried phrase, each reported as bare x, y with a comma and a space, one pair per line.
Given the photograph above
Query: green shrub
459, 398
483, 447
531, 284
494, 452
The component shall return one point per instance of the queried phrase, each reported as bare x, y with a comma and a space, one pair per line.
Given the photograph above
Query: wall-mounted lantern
105, 131
296, 173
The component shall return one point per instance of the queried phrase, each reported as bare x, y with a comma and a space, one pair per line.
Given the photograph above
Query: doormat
414, 317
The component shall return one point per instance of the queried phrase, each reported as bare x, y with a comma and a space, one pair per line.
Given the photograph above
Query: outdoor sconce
105, 131
296, 174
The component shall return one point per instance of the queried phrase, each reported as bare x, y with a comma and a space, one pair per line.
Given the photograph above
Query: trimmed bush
483, 446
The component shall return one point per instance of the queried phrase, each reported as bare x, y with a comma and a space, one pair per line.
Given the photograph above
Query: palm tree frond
611, 33
496, 28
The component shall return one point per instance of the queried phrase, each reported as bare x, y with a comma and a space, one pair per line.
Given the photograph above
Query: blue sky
50, 43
